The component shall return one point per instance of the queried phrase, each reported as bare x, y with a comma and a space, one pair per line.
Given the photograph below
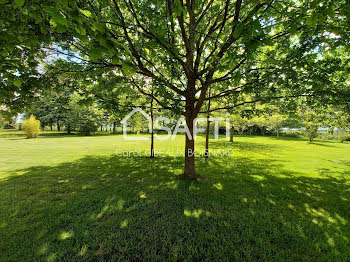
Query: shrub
31, 127
311, 131
86, 122
342, 136
86, 127
292, 133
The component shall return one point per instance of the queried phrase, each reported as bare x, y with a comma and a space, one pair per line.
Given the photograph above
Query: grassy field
70, 198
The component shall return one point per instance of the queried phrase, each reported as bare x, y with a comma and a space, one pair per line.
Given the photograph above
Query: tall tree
239, 49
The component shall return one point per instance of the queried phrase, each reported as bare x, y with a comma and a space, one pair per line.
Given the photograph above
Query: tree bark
206, 153
190, 165
231, 133
152, 131
101, 128
68, 129
58, 125
114, 127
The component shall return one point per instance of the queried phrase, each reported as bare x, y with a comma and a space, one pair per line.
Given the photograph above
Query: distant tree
311, 122
275, 122
239, 124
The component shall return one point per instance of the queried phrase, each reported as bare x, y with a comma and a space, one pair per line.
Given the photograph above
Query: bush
86, 127
31, 127
292, 133
86, 123
343, 136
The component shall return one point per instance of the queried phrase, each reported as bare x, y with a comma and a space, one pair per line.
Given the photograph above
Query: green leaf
52, 22
177, 8
311, 21
17, 82
59, 18
128, 70
87, 13
96, 53
115, 60
19, 2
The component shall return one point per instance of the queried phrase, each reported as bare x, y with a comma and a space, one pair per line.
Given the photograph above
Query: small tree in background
311, 123
275, 123
238, 123
31, 127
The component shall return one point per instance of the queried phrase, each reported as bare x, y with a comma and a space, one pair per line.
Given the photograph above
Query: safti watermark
175, 152
181, 126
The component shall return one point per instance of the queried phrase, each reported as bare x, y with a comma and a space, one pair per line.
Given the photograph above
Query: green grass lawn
70, 198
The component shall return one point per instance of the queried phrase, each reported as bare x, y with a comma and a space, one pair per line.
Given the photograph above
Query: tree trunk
278, 133
58, 125
51, 126
114, 127
231, 133
68, 129
101, 128
152, 131
206, 153
190, 165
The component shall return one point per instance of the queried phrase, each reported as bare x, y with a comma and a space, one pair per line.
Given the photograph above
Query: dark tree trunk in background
68, 129
58, 125
114, 127
51, 126
101, 128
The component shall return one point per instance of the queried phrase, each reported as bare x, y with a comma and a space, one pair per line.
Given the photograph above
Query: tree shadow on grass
134, 208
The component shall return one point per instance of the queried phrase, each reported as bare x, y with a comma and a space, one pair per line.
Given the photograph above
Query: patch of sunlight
193, 187
120, 204
3, 224
170, 185
65, 235
330, 240
258, 178
52, 257
218, 186
44, 249
244, 199
292, 207
195, 213
323, 214
83, 250
142, 195
343, 198
86, 187
124, 224
271, 201
64, 181
341, 219
103, 211
109, 208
